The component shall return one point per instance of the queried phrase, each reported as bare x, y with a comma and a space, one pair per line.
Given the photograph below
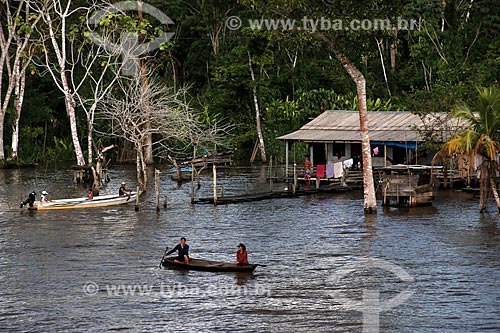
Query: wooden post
222, 191
385, 156
192, 183
137, 200
271, 174
318, 180
214, 171
246, 188
286, 162
165, 202
157, 189
294, 186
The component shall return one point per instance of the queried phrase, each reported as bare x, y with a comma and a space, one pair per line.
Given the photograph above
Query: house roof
385, 126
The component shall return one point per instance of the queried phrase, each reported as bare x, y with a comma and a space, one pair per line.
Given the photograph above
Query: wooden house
395, 138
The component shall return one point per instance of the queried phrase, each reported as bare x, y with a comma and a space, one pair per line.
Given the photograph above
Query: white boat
97, 201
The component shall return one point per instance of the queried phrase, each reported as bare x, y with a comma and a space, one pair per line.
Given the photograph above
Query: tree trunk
2, 151
370, 201
18, 104
493, 185
483, 187
141, 168
492, 175
257, 113
70, 108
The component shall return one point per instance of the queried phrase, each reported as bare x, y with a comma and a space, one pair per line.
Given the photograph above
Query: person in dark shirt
123, 190
30, 200
182, 251
242, 255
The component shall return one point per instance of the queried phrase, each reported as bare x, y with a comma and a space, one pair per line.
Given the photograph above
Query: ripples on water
48, 258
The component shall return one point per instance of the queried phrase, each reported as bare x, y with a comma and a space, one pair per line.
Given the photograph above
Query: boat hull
76, 203
208, 266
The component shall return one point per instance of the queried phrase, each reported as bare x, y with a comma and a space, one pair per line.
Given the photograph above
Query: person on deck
123, 190
45, 197
242, 255
30, 200
182, 252
307, 165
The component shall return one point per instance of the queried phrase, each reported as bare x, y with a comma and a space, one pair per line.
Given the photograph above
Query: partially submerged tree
171, 122
482, 139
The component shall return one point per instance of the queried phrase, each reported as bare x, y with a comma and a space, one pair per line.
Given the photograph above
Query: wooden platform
273, 195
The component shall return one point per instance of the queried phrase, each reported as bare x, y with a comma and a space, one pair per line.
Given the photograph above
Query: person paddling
183, 252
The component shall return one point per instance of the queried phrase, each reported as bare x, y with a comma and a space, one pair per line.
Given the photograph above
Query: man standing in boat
183, 252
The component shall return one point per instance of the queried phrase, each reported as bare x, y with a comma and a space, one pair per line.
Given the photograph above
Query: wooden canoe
74, 203
208, 266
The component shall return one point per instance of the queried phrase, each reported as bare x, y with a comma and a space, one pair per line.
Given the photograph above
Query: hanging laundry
375, 151
320, 171
329, 170
348, 163
338, 170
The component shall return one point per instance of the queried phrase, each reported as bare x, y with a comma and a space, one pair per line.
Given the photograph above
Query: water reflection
47, 257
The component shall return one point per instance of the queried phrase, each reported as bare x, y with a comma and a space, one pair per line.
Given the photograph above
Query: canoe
208, 266
74, 203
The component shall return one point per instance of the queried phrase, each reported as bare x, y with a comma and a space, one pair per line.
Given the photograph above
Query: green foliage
455, 48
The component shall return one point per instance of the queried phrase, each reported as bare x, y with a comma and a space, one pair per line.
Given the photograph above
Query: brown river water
329, 268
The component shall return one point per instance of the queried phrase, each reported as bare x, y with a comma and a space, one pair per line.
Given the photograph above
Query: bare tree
54, 41
169, 121
260, 136
15, 56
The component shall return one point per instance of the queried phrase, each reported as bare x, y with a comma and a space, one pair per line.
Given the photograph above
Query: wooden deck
274, 195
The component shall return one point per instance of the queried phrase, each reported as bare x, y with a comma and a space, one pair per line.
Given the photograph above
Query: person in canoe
241, 255
182, 251
29, 201
45, 197
123, 190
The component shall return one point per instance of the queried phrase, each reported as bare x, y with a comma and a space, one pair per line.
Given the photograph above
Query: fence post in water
157, 189
271, 174
192, 183
294, 186
214, 171
137, 199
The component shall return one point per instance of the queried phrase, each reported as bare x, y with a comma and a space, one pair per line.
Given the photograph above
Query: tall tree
482, 139
15, 41
55, 15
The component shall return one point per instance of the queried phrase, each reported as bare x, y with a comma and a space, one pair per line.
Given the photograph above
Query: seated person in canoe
182, 252
45, 197
242, 255
123, 190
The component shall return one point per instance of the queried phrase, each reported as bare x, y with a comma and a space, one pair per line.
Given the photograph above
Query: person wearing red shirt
241, 255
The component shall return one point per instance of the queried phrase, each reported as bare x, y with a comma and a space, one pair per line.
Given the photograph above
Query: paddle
166, 249
261, 265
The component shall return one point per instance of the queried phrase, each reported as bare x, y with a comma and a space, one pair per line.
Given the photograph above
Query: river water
329, 267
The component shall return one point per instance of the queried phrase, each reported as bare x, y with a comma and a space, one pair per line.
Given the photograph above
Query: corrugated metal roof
340, 125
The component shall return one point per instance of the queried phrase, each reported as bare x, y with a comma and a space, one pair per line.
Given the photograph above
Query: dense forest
225, 65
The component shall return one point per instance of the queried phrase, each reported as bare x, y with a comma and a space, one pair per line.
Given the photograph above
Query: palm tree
481, 139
